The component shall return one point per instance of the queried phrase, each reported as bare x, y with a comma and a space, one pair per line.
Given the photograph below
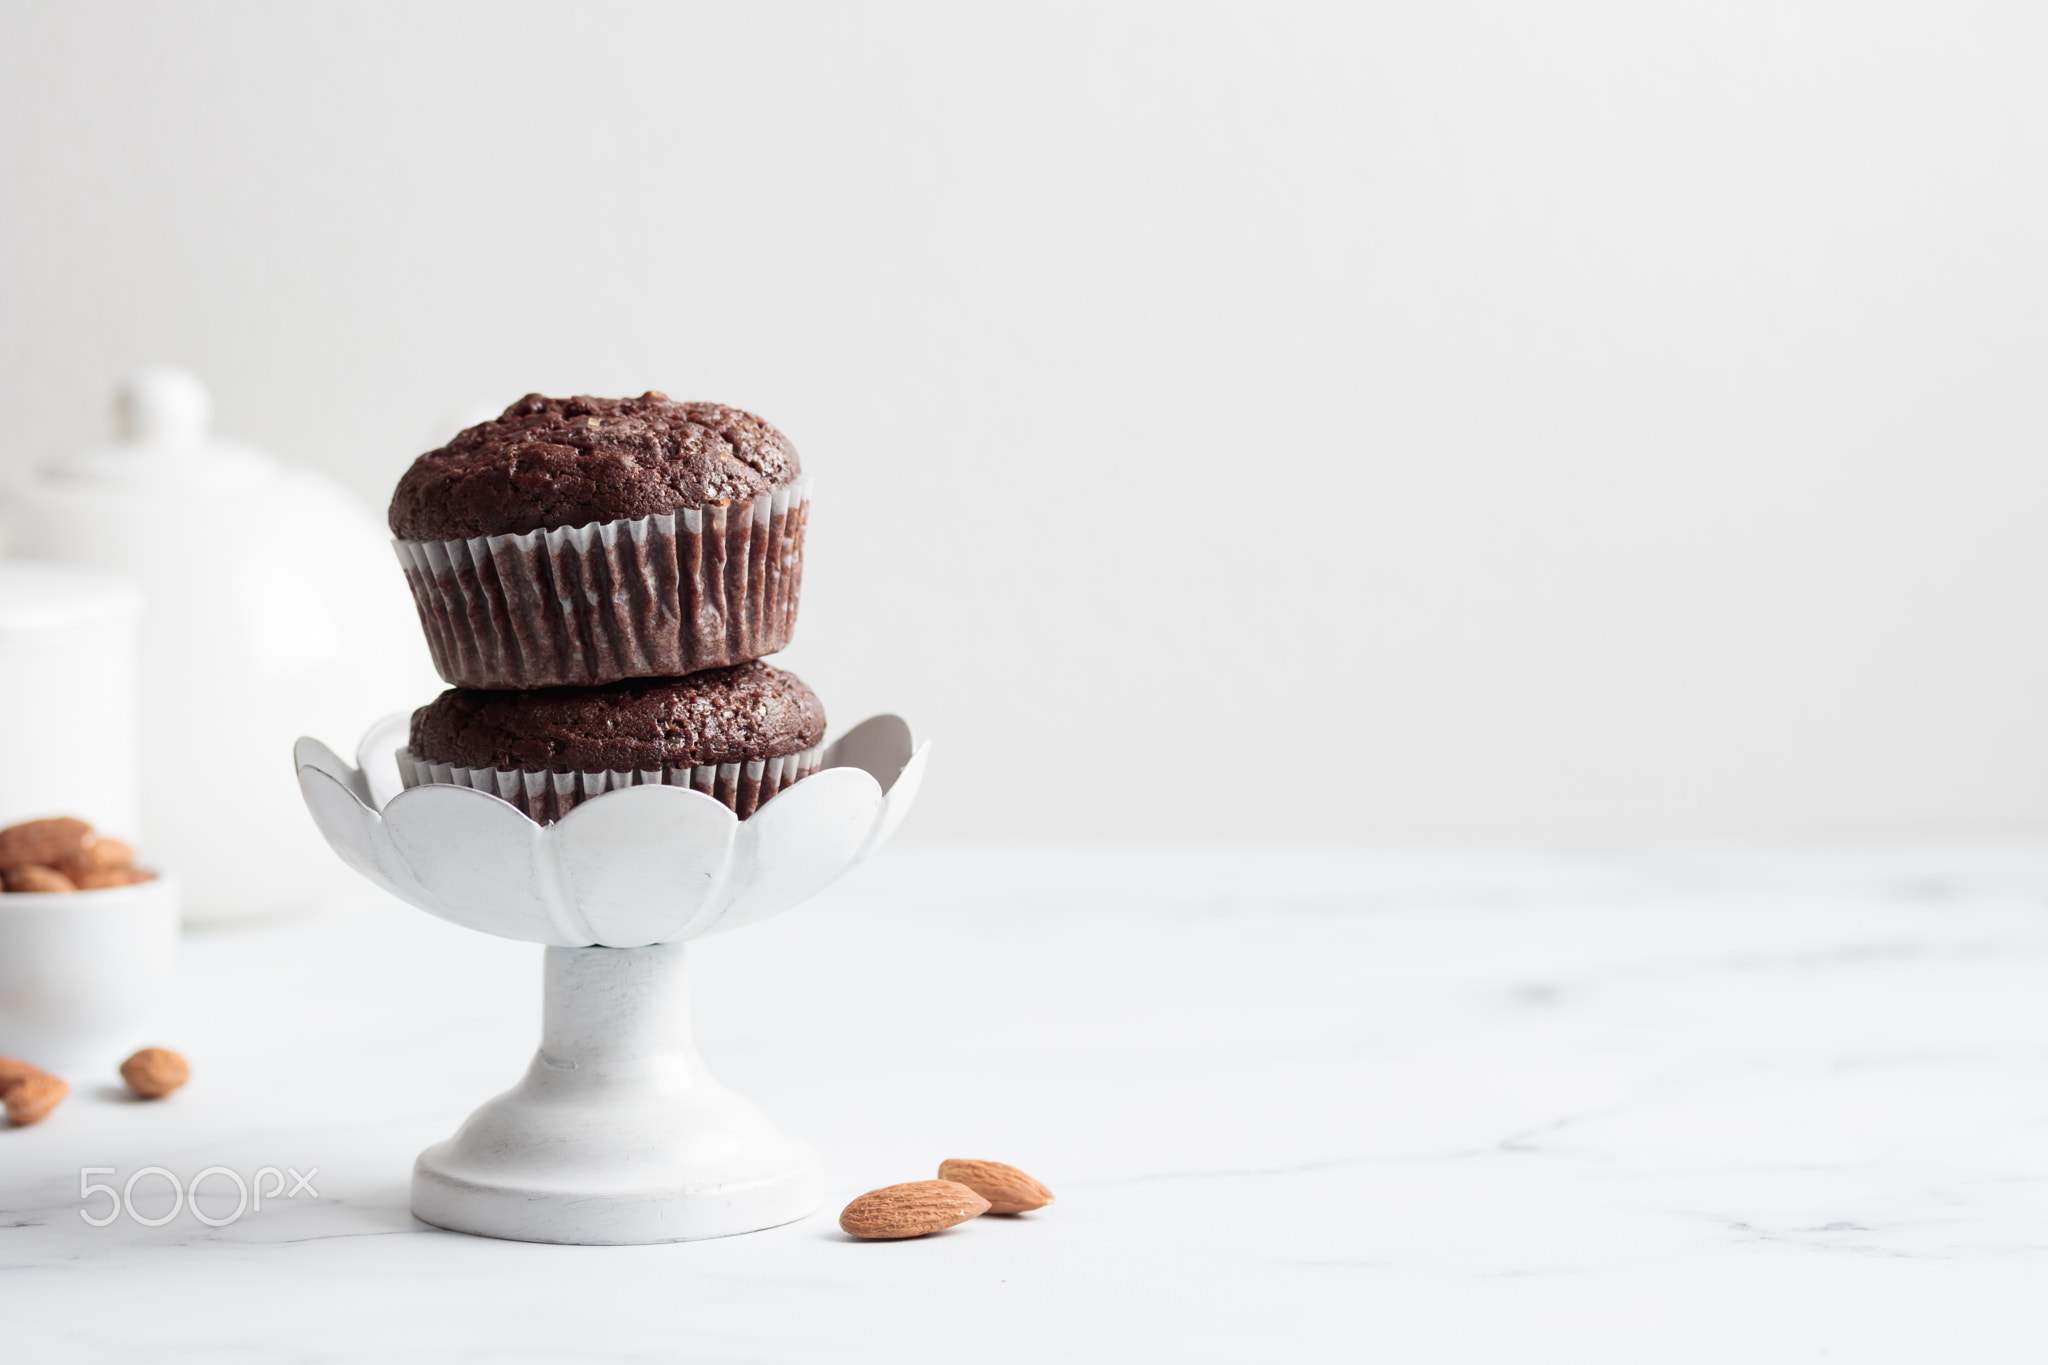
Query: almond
1007, 1189
30, 1099
46, 842
113, 876
911, 1210
34, 877
13, 1069
155, 1072
100, 856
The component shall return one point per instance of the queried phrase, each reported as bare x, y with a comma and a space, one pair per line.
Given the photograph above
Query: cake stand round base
586, 1217
618, 1135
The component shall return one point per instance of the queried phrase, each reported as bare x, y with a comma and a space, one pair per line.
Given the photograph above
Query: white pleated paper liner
580, 606
547, 797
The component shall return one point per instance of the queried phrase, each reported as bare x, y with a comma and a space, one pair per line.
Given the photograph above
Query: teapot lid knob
162, 406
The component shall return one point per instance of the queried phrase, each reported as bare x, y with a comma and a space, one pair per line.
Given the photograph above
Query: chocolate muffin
582, 541
739, 735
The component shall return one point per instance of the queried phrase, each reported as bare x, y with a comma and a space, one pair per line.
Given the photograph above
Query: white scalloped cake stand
617, 1135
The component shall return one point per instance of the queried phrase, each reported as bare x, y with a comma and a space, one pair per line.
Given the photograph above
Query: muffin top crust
548, 462
722, 715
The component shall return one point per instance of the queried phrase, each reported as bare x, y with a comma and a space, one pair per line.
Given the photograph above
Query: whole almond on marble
155, 1072
30, 1099
911, 1210
48, 842
13, 1069
1007, 1189
34, 877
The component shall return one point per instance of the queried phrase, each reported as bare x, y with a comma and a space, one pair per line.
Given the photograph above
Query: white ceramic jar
275, 608
69, 640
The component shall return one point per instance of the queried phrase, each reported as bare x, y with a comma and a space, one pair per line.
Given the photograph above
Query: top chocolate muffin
551, 462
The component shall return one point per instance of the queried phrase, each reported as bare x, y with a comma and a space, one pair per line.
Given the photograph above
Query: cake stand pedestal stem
618, 1134
613, 1015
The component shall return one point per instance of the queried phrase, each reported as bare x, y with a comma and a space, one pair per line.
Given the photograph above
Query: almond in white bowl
61, 854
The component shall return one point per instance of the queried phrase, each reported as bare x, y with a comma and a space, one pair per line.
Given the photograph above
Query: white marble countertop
1389, 1105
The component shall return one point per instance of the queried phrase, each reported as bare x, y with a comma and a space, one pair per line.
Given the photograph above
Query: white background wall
1354, 420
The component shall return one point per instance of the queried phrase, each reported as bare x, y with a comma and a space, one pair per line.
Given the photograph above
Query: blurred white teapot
275, 610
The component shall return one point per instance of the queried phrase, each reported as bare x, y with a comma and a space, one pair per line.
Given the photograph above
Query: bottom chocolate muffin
737, 734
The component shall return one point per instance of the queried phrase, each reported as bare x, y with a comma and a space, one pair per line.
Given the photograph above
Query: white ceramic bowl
82, 975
